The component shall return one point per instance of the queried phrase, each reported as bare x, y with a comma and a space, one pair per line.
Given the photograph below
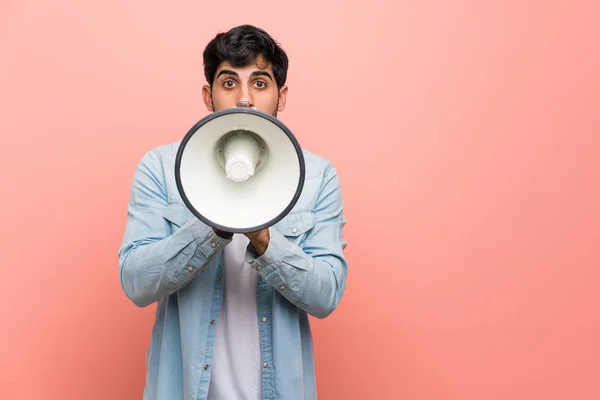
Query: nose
245, 99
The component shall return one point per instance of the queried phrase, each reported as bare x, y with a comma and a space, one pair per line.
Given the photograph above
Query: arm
312, 277
153, 262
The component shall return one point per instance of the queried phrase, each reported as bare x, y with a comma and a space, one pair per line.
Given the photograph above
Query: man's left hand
260, 240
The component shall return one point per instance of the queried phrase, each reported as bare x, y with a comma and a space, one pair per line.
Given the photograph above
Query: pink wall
467, 138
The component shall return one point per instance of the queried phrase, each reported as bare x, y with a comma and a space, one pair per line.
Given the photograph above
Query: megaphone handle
223, 234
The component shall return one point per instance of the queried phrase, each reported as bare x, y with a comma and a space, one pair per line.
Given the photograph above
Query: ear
207, 96
282, 97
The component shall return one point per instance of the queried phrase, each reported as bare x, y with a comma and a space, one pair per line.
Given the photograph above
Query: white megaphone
239, 170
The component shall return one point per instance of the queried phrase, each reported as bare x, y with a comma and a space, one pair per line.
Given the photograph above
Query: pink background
467, 136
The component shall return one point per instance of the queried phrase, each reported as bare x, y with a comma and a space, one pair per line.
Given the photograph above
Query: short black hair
241, 46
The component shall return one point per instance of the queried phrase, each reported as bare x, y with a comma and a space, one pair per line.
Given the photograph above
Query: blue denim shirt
171, 258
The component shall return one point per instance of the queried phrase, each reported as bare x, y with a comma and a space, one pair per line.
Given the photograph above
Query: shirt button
213, 244
190, 268
258, 268
264, 319
265, 364
281, 287
294, 230
212, 321
219, 278
206, 367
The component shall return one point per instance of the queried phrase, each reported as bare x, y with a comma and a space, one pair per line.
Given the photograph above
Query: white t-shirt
236, 372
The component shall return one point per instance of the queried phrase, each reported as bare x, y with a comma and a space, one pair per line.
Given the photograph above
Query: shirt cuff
276, 251
208, 240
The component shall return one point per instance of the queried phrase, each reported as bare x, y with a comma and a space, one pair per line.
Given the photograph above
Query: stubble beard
274, 113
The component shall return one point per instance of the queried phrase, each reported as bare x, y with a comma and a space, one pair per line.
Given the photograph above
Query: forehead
259, 64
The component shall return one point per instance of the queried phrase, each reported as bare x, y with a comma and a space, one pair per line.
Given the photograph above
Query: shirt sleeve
313, 276
154, 262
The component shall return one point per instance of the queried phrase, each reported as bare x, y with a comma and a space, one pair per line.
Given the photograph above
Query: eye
228, 84
260, 84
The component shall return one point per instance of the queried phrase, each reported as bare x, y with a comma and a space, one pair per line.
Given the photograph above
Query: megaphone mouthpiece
242, 153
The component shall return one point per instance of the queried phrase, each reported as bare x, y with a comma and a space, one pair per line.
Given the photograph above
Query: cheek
267, 98
223, 99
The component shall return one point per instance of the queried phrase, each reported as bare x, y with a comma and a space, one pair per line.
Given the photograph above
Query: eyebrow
255, 73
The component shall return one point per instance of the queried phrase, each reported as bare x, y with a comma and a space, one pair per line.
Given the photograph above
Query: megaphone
239, 170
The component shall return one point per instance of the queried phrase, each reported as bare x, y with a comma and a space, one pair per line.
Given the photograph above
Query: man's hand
260, 240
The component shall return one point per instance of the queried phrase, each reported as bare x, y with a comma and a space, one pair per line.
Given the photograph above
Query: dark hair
241, 46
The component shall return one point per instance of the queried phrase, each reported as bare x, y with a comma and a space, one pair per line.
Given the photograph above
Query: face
254, 83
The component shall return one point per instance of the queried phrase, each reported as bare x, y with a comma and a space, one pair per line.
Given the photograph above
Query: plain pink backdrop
467, 138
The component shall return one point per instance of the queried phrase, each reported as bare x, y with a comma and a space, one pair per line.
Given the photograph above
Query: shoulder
163, 154
156, 158
320, 181
154, 166
317, 166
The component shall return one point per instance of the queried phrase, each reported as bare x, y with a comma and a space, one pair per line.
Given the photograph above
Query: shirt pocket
296, 225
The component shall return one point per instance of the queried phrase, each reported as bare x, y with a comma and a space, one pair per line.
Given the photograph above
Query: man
232, 310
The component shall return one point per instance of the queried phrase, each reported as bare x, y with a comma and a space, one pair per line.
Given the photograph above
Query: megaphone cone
239, 170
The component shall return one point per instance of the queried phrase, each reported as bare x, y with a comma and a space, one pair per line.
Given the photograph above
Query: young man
232, 310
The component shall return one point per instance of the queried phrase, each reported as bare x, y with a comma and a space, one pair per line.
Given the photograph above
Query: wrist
260, 241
